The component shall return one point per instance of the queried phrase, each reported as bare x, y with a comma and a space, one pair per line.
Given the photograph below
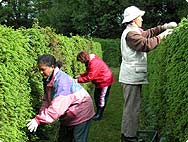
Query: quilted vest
133, 69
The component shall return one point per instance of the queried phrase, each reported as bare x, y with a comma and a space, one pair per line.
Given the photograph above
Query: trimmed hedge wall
111, 51
20, 83
165, 99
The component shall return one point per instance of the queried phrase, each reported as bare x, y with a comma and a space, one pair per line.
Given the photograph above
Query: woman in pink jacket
99, 74
63, 99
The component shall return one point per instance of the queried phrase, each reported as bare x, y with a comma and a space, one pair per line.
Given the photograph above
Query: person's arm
152, 32
58, 107
140, 43
90, 74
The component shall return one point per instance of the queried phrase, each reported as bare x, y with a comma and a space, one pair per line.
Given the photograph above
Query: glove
165, 33
76, 80
32, 125
170, 25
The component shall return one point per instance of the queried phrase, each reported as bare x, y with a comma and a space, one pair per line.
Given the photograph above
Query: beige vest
133, 69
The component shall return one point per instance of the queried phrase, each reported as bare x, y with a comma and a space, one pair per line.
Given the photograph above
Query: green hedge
14, 88
165, 99
20, 83
111, 51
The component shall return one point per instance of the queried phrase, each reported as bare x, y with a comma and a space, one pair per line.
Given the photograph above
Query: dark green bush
111, 51
165, 99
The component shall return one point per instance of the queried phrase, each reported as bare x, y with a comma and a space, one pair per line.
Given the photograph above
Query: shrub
165, 99
20, 83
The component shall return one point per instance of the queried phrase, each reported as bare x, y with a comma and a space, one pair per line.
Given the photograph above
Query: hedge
20, 82
165, 99
111, 51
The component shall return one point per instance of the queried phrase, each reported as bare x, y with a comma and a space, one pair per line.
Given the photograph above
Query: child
99, 74
64, 99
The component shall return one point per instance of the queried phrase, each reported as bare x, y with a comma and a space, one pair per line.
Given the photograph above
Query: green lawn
109, 128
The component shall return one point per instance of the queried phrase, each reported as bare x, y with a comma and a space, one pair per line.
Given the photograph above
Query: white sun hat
132, 12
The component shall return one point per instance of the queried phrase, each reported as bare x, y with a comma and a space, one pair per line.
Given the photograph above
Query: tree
160, 12
95, 18
102, 18
99, 18
17, 13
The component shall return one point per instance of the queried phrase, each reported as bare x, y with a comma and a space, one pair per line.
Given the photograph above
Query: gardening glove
32, 125
165, 33
76, 80
170, 25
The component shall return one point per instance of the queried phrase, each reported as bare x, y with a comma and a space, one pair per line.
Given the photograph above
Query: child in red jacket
99, 74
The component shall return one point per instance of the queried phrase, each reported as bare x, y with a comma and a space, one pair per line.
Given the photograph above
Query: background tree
102, 18
160, 12
83, 17
17, 13
95, 18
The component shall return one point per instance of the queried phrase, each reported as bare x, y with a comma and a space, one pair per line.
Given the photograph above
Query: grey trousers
130, 118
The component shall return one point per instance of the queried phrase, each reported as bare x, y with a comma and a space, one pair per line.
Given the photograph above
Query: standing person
135, 43
64, 99
99, 74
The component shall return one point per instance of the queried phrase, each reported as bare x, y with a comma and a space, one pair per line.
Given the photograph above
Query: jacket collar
55, 71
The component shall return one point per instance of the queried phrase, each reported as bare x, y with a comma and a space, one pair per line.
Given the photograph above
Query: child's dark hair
83, 56
48, 60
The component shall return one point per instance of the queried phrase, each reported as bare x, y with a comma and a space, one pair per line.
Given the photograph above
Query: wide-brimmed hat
132, 12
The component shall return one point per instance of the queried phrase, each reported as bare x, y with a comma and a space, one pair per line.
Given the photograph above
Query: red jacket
97, 72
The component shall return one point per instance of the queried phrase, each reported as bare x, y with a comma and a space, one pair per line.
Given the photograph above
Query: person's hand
170, 25
165, 33
32, 125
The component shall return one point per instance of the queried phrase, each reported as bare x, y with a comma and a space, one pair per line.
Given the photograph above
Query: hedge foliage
20, 83
111, 51
165, 99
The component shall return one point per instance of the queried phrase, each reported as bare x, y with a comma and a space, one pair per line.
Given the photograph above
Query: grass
109, 128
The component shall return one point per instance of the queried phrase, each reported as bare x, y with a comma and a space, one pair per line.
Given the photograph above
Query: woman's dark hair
83, 56
48, 60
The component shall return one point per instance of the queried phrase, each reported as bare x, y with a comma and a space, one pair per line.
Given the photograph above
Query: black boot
99, 114
128, 139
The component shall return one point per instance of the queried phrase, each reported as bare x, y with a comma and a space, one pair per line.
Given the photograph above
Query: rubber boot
99, 114
128, 139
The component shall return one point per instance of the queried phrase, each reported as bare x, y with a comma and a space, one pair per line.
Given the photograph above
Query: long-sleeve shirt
145, 41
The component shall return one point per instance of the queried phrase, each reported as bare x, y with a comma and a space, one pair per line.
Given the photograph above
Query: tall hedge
20, 83
165, 99
14, 88
111, 51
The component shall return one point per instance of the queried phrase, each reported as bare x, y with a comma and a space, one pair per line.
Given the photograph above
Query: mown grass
109, 128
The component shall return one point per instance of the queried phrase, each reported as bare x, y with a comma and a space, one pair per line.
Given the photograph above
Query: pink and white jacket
65, 99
